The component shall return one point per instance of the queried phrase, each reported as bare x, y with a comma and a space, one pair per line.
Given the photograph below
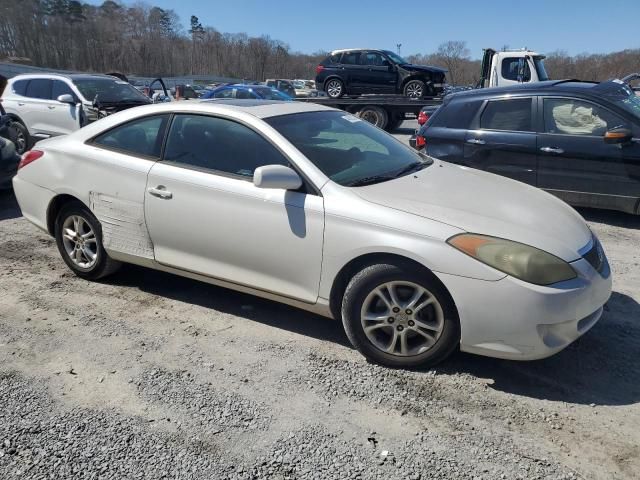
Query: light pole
398, 45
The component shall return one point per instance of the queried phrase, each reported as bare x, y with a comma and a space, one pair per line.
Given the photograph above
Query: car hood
422, 68
484, 203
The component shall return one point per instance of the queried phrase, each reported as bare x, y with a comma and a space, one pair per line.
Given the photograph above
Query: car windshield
542, 72
396, 58
109, 90
299, 84
348, 150
621, 95
268, 93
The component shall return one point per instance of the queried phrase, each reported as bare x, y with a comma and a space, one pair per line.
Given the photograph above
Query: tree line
146, 40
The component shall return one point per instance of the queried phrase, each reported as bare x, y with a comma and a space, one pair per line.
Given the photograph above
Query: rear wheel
19, 135
376, 115
334, 88
79, 238
400, 318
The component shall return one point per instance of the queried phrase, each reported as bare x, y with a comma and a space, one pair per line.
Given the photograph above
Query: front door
377, 73
576, 164
205, 215
503, 141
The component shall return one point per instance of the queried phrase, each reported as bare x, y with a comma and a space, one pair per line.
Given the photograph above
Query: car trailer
384, 111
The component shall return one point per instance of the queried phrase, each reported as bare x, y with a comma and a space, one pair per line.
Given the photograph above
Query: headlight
516, 259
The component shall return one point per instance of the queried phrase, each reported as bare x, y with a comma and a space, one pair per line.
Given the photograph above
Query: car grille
595, 256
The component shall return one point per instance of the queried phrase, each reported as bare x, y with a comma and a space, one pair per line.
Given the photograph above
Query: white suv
48, 105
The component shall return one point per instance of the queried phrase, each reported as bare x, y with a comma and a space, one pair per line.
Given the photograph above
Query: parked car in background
633, 80
577, 140
360, 71
316, 208
47, 105
242, 91
285, 86
423, 116
303, 90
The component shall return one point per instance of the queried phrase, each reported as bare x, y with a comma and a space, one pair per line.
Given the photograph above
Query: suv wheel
400, 318
334, 88
20, 137
79, 238
414, 89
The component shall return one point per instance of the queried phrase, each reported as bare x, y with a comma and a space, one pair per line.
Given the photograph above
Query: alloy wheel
414, 90
80, 241
334, 88
402, 318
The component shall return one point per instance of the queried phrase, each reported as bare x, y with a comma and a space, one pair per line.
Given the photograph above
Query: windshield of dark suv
542, 72
396, 58
109, 90
349, 151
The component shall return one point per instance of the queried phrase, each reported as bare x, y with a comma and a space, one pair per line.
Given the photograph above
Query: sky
575, 26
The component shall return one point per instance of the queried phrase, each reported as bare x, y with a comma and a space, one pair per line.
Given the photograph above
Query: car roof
549, 86
263, 108
342, 50
69, 76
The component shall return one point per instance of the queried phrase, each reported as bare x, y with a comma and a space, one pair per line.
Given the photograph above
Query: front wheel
400, 318
334, 88
79, 238
414, 89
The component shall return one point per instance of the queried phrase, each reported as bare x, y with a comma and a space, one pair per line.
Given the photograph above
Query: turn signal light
421, 142
28, 157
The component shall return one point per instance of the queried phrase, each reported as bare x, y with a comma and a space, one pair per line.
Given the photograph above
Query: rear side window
456, 114
510, 115
39, 88
510, 68
141, 137
332, 59
20, 87
350, 58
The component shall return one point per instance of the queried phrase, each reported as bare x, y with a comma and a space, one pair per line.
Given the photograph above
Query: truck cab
510, 67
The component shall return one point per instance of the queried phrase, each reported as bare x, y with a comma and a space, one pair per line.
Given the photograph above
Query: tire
376, 115
334, 88
414, 89
438, 321
394, 123
78, 218
19, 135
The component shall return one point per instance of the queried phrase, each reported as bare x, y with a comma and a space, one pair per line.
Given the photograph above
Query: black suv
577, 140
354, 72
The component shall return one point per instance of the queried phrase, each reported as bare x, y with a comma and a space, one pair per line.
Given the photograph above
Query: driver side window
219, 145
576, 117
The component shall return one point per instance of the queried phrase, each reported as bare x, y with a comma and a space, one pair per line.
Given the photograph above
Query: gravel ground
148, 375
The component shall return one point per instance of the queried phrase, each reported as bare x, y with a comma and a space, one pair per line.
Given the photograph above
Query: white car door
205, 215
35, 107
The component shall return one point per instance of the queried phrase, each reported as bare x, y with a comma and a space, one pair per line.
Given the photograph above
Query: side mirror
276, 176
66, 98
618, 135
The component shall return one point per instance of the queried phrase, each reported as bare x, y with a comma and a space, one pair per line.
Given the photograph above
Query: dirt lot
149, 375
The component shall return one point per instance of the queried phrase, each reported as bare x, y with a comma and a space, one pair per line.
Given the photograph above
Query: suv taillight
319, 69
28, 157
422, 118
421, 142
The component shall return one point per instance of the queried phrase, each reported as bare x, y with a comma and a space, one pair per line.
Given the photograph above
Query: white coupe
312, 207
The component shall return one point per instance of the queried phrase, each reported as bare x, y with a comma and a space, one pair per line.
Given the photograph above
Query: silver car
312, 207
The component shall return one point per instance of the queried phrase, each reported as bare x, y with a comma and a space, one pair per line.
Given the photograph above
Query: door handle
161, 192
551, 150
20, 104
476, 141
51, 107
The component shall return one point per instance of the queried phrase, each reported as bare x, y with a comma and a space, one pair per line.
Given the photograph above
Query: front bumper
516, 320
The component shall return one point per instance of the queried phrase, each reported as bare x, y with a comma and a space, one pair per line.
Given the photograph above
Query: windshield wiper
361, 182
412, 167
